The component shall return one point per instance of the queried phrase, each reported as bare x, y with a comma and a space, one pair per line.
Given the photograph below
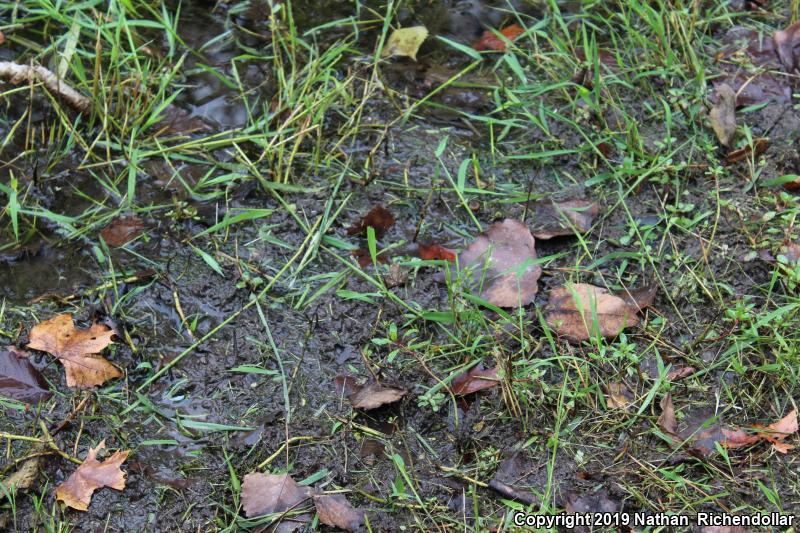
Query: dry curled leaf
270, 493
379, 218
122, 230
19, 379
476, 379
405, 42
374, 395
502, 260
580, 311
336, 511
76, 491
556, 219
490, 41
76, 349
723, 115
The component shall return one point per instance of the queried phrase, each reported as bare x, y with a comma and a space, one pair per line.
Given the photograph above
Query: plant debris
723, 114
19, 379
491, 41
335, 511
405, 42
270, 493
374, 395
122, 230
476, 379
580, 311
77, 490
379, 218
556, 219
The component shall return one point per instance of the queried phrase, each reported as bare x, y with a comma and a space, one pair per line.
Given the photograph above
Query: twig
17, 73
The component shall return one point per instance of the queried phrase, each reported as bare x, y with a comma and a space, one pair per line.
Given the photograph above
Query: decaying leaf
502, 259
22, 478
580, 311
787, 46
76, 349
723, 114
432, 252
374, 395
490, 41
640, 298
77, 490
679, 372
667, 421
754, 150
618, 396
122, 230
776, 433
405, 42
379, 218
336, 511
19, 379
556, 219
270, 493
476, 379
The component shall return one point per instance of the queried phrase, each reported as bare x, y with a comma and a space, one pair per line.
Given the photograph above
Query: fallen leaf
723, 114
787, 46
490, 41
497, 256
667, 420
754, 150
618, 396
345, 385
781, 429
76, 349
374, 395
679, 372
364, 258
122, 230
405, 42
379, 218
76, 491
270, 493
22, 478
434, 252
639, 299
19, 379
476, 379
572, 311
336, 511
556, 219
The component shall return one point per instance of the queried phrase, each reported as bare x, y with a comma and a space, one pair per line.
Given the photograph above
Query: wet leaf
76, 349
640, 298
502, 260
476, 379
679, 372
122, 230
490, 41
723, 114
618, 396
77, 490
336, 511
375, 395
345, 385
667, 421
787, 46
781, 429
433, 252
379, 218
22, 478
754, 150
405, 42
270, 493
556, 219
573, 308
19, 379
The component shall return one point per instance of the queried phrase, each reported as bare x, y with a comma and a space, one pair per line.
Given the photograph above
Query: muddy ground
179, 478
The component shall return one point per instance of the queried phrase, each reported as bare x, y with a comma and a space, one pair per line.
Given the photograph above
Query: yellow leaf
405, 42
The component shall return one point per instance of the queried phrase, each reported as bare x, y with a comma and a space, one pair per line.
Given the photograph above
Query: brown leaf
496, 256
723, 114
639, 299
572, 310
556, 219
490, 41
270, 493
618, 396
19, 379
76, 349
122, 230
679, 372
779, 430
754, 150
667, 420
476, 379
76, 492
379, 218
787, 46
336, 511
22, 478
345, 385
434, 252
375, 395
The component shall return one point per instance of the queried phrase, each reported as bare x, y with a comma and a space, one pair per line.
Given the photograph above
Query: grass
256, 295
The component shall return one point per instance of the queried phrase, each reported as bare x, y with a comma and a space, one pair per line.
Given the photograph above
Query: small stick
17, 73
